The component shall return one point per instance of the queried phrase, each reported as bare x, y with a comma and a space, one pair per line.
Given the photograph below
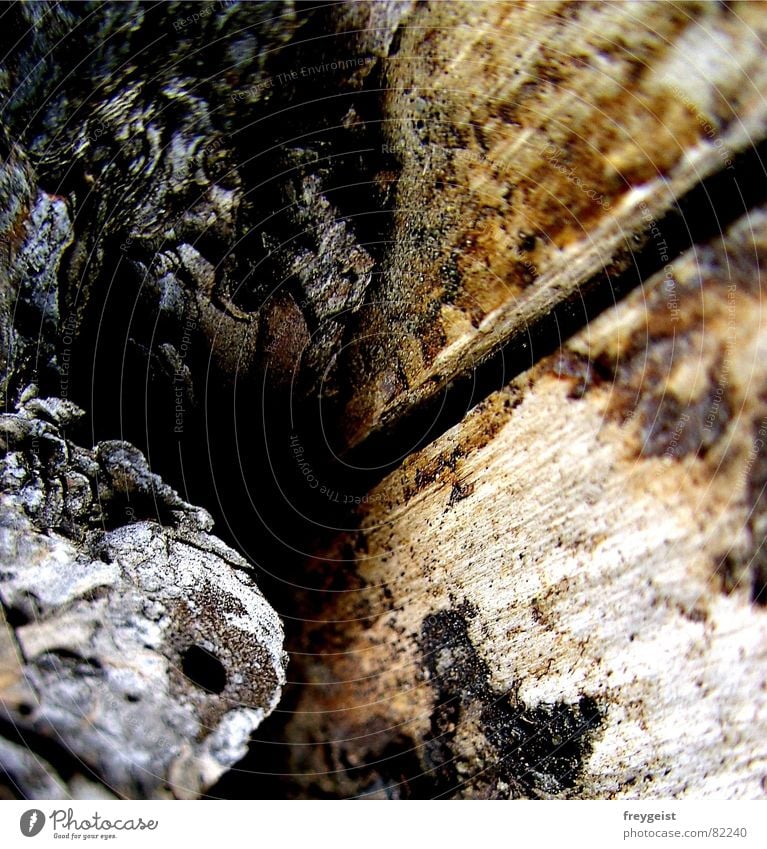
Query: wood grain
565, 594
538, 147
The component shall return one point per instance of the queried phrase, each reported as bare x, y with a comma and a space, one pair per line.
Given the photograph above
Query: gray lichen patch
104, 649
145, 647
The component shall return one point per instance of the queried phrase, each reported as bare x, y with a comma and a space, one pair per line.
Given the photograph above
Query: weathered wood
565, 594
537, 147
121, 612
356, 204
135, 647
137, 653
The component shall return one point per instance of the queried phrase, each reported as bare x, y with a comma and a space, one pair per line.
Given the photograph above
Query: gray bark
139, 654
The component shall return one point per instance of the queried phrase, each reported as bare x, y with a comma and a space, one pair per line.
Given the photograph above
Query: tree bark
134, 241
488, 274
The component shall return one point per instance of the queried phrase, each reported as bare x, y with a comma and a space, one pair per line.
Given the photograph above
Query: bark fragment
144, 649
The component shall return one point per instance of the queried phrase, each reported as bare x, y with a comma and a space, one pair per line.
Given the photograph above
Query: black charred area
534, 752
525, 752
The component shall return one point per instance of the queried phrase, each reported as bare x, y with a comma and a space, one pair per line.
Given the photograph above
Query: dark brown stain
534, 752
749, 567
673, 428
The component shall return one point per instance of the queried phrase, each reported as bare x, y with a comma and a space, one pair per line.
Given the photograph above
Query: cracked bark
262, 226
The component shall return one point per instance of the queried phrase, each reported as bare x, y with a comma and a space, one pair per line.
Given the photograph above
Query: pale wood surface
593, 531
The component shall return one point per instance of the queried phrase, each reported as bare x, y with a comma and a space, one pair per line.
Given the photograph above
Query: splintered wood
564, 594
537, 144
326, 221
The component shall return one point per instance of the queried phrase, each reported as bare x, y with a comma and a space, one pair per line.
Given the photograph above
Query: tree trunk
449, 315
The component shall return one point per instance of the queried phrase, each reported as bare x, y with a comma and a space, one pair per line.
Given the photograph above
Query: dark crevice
224, 461
64, 762
204, 669
16, 617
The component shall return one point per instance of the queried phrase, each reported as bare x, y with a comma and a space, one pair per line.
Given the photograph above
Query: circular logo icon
32, 822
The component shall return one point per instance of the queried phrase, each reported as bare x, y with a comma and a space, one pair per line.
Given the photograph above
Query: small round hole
16, 617
204, 669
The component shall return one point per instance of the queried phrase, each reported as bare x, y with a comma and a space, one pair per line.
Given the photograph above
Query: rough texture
203, 205
564, 595
208, 210
145, 653
138, 653
537, 146
35, 231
